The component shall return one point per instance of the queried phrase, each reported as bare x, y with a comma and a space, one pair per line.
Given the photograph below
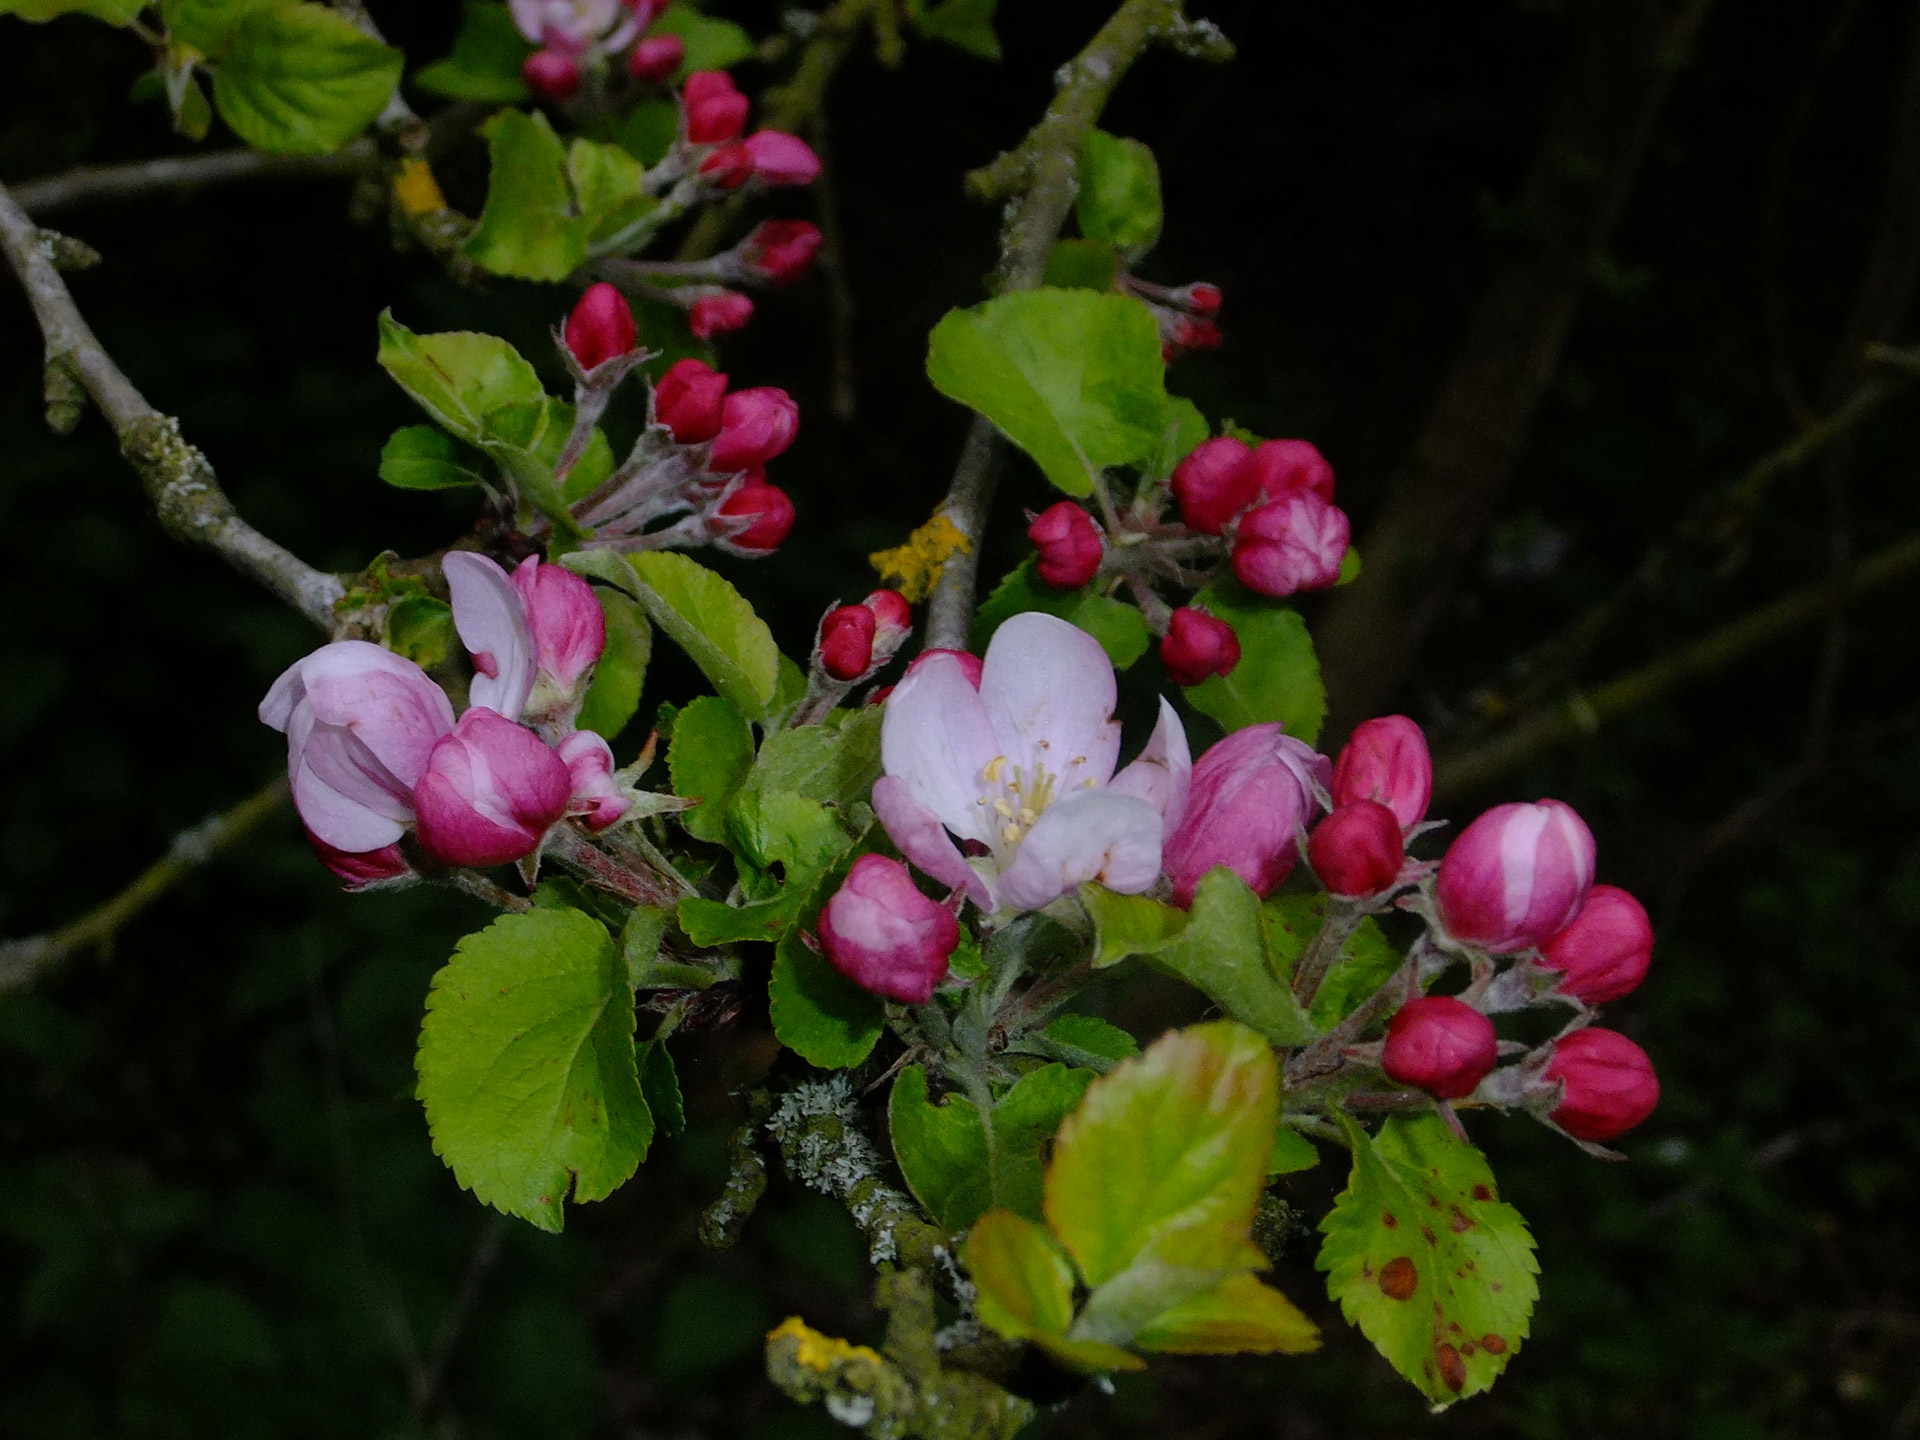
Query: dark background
219, 1214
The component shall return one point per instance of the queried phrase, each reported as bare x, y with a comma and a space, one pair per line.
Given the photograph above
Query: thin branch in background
23, 962
843, 396
94, 184
486, 1253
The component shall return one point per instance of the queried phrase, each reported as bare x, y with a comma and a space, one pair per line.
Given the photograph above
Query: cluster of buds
1184, 313
577, 39
702, 457
777, 253
374, 750
851, 645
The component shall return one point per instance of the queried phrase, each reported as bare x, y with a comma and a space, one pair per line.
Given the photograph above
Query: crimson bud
1203, 299
1357, 850
1605, 952
779, 251
656, 58
969, 663
552, 75
846, 642
1386, 760
893, 619
601, 327
598, 799
716, 110
1180, 333
1197, 645
1609, 1084
1214, 483
1289, 545
1515, 875
772, 518
1070, 545
1292, 467
782, 159
491, 792
1440, 1045
361, 870
884, 935
688, 401
755, 426
718, 313
1247, 797
729, 167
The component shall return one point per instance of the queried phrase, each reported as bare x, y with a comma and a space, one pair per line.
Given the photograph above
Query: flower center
1016, 798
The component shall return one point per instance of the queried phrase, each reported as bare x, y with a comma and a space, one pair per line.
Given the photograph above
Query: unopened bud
1203, 299
880, 932
1291, 467
1440, 1045
1606, 951
845, 646
969, 663
782, 159
780, 251
716, 111
1386, 759
893, 619
729, 167
755, 426
1357, 850
1070, 545
718, 313
1287, 546
656, 58
568, 630
364, 869
552, 75
1609, 1084
1249, 796
1197, 645
769, 512
491, 791
597, 798
1214, 483
1515, 875
689, 401
1181, 333
601, 327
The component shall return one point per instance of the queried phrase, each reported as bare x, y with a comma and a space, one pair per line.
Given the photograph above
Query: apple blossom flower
968, 662
781, 159
755, 426
1291, 544
535, 636
1357, 850
765, 508
1439, 1045
490, 792
1605, 952
1198, 645
598, 798
880, 932
845, 646
600, 327
1214, 483
718, 312
1515, 876
576, 26
655, 58
365, 870
1291, 467
553, 75
1386, 759
715, 110
778, 252
1607, 1084
689, 399
1068, 545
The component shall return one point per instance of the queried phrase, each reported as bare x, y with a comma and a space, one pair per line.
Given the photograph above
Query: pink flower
1515, 875
1251, 794
719, 312
597, 797
782, 159
1286, 546
1069, 543
601, 327
656, 58
1357, 850
1386, 760
1606, 951
1214, 483
881, 933
755, 426
845, 646
688, 400
969, 663
893, 619
780, 251
552, 75
360, 723
491, 791
729, 167
1608, 1084
534, 637
1197, 645
366, 870
1439, 1045
572, 25
716, 111
769, 516
1291, 467
1022, 771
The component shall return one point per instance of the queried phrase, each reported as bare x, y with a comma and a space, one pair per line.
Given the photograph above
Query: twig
1581, 715
843, 397
89, 184
1039, 179
22, 962
486, 1252
178, 480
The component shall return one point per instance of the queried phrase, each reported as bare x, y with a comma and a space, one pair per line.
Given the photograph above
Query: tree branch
178, 480
89, 184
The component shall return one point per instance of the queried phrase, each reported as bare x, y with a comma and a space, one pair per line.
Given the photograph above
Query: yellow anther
992, 772
1003, 809
1011, 834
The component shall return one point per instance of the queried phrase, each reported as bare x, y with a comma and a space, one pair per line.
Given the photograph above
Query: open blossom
535, 636
360, 724
1021, 771
575, 25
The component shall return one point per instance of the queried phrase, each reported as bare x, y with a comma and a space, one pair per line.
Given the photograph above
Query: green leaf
530, 227
1072, 377
834, 764
192, 112
1278, 677
964, 24
525, 440
706, 617
114, 12
640, 941
1082, 265
1118, 626
423, 457
781, 829
1222, 953
206, 24
1084, 1041
1126, 925
1166, 1157
1362, 966
527, 1066
1238, 1316
941, 1150
1025, 1285
1024, 1121
420, 628
712, 44
1119, 197
711, 753
1182, 428
660, 1083
458, 377
302, 79
820, 1015
606, 187
1423, 1257
614, 694
488, 51
647, 131
1292, 1152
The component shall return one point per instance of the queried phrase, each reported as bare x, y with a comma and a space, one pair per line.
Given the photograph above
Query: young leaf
1025, 1285
1182, 428
821, 1016
1238, 1316
114, 12
488, 51
941, 1150
424, 457
614, 694
964, 24
711, 753
1118, 626
1126, 925
1292, 1152
302, 79
640, 939
660, 1083
1278, 677
1222, 953
712, 44
1166, 1157
420, 628
1363, 965
458, 377
834, 764
648, 130
1024, 1121
1119, 197
1082, 265
206, 24
1435, 1270
606, 187
527, 1066
1083, 1041
705, 616
530, 227
1072, 377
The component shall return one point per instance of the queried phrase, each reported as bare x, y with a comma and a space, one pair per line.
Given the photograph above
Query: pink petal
1087, 835
1161, 775
936, 738
1049, 692
492, 620
923, 840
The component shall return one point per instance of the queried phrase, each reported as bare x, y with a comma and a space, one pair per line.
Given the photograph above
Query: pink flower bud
1197, 645
364, 869
601, 327
552, 75
1181, 333
566, 624
1291, 545
772, 519
1515, 875
1357, 850
884, 935
893, 616
688, 401
1070, 545
1203, 299
1214, 483
779, 251
1610, 1084
1386, 760
969, 663
645, 12
729, 167
1292, 467
755, 426
846, 642
491, 792
782, 159
1440, 1045
656, 58
718, 313
1248, 796
1605, 952
716, 110
597, 797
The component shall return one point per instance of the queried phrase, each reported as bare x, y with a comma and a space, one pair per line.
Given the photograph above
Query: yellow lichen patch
415, 189
914, 568
820, 1353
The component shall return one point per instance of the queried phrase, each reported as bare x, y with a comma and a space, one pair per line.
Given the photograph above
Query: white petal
340, 820
1089, 835
1049, 692
287, 692
492, 621
918, 833
936, 738
1161, 775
